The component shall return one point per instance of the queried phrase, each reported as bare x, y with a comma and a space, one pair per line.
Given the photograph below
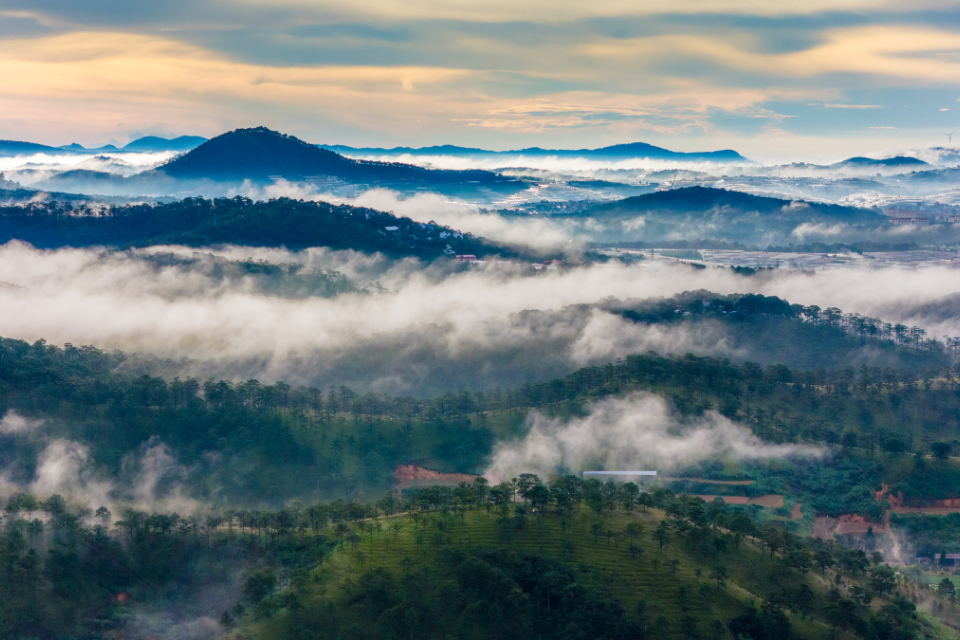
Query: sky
816, 80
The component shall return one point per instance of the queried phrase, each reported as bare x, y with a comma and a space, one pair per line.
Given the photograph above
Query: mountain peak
259, 153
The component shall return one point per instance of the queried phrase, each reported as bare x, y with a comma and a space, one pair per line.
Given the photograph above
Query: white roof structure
619, 473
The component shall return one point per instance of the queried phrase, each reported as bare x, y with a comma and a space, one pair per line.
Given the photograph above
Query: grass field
672, 581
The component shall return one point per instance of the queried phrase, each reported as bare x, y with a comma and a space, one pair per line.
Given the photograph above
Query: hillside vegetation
573, 560
268, 438
196, 222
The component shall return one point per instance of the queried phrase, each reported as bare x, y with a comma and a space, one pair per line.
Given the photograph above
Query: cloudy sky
818, 79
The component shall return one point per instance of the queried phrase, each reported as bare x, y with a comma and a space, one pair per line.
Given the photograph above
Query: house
466, 258
950, 560
910, 222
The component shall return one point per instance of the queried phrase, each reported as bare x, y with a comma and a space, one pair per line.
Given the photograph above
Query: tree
596, 529
946, 588
104, 514
633, 530
539, 497
629, 496
940, 450
662, 534
883, 580
719, 574
525, 482
481, 485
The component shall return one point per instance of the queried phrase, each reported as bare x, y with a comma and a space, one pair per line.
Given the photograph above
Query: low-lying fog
29, 170
436, 326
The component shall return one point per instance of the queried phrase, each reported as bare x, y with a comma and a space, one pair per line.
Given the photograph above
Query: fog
632, 433
437, 327
31, 169
570, 233
150, 478
555, 164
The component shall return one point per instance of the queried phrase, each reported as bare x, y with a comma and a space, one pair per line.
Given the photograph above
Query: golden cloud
564, 10
901, 52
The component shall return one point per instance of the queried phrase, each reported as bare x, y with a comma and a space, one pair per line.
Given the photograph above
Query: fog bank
632, 433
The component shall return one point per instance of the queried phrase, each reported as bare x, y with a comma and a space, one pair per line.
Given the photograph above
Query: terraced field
671, 581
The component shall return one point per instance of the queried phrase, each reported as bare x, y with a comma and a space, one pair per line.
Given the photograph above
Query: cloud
437, 324
632, 433
607, 337
149, 479
808, 229
536, 232
14, 423
905, 52
63, 469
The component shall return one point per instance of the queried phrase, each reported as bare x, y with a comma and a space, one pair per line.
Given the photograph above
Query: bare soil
411, 475
770, 502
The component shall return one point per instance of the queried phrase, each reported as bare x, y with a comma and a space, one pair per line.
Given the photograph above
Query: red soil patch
411, 475
934, 507
796, 512
848, 524
935, 511
770, 502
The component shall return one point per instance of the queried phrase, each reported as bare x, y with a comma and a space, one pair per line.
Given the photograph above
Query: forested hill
269, 438
260, 153
619, 151
295, 224
721, 204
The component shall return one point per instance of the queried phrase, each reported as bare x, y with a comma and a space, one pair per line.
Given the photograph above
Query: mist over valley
596, 321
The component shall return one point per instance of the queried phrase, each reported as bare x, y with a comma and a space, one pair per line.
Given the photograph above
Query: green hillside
571, 559
196, 222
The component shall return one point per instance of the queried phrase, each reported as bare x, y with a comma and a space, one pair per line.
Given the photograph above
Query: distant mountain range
619, 152
147, 144
263, 156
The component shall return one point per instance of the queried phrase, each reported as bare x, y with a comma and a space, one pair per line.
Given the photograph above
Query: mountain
153, 144
83, 180
704, 202
701, 213
896, 161
260, 154
17, 148
620, 151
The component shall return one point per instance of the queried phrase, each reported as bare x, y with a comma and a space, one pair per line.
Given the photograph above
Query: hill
261, 153
17, 148
303, 431
531, 559
83, 180
148, 144
896, 161
733, 216
198, 222
620, 151
705, 202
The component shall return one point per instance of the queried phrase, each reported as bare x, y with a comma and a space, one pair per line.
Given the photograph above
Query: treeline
350, 443
290, 280
707, 304
295, 224
67, 572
